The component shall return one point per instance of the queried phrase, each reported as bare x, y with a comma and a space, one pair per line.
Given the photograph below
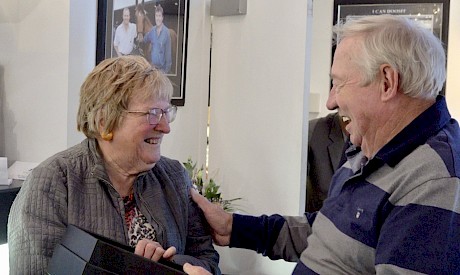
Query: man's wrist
230, 224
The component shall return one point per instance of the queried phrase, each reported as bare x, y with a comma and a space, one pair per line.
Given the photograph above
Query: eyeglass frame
152, 112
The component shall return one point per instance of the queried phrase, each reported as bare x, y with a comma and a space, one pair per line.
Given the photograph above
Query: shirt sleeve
37, 221
274, 236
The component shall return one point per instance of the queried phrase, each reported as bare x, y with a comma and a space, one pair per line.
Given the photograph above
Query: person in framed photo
160, 39
125, 35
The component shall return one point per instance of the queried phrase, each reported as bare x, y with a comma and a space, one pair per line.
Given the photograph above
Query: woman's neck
122, 182
120, 178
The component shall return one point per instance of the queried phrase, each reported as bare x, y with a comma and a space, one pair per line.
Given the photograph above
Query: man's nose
331, 103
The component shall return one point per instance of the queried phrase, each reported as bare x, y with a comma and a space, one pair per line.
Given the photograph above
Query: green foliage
196, 175
210, 189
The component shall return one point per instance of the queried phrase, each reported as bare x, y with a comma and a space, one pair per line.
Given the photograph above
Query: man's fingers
199, 199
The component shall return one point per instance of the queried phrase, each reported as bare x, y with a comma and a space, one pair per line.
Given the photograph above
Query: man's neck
392, 120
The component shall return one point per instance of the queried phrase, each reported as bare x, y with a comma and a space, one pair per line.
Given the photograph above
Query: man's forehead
343, 58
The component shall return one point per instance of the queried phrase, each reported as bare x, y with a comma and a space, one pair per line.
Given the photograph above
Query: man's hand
220, 221
153, 250
195, 270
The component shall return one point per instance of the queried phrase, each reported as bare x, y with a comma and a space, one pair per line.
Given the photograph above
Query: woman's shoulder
171, 174
75, 157
169, 164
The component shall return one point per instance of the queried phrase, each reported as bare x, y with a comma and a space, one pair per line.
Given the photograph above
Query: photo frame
165, 49
432, 14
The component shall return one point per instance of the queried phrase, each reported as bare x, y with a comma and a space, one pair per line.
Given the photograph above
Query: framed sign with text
432, 14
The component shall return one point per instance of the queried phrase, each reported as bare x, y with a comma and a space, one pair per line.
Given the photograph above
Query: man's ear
390, 82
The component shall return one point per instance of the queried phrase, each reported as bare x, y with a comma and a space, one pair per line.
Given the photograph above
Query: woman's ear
105, 135
390, 81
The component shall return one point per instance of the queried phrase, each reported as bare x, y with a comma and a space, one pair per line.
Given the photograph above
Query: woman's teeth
152, 140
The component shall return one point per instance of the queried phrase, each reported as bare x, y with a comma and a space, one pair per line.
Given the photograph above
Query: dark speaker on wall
228, 7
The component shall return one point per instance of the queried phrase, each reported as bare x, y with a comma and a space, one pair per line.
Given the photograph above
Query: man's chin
355, 141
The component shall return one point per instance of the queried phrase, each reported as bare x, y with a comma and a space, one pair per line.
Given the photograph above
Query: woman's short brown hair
107, 90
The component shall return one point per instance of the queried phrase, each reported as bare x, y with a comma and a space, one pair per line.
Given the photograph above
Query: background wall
453, 61
34, 54
256, 142
48, 47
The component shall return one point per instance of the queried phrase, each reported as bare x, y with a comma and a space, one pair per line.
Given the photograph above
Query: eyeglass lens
156, 114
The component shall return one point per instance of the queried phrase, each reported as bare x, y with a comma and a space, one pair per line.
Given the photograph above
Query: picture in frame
432, 14
158, 32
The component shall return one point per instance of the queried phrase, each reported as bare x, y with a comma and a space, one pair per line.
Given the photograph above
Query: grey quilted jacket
72, 187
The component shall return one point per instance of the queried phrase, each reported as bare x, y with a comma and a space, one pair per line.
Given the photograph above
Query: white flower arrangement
208, 188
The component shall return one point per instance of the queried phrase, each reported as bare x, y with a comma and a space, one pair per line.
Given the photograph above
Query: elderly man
394, 205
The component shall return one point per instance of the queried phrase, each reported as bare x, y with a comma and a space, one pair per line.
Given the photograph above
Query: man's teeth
345, 119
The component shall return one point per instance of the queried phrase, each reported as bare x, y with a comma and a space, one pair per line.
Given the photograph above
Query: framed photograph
432, 14
155, 29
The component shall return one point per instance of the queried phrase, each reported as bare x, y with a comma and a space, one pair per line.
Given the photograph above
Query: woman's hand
195, 270
153, 250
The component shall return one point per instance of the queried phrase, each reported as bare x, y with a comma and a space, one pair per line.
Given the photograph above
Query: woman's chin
152, 161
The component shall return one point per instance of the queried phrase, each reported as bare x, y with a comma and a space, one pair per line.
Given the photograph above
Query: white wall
321, 52
82, 38
259, 88
453, 61
34, 55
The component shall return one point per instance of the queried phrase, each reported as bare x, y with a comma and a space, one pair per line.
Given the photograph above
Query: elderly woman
115, 183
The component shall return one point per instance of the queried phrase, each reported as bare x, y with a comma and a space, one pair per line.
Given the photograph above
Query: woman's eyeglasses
154, 115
